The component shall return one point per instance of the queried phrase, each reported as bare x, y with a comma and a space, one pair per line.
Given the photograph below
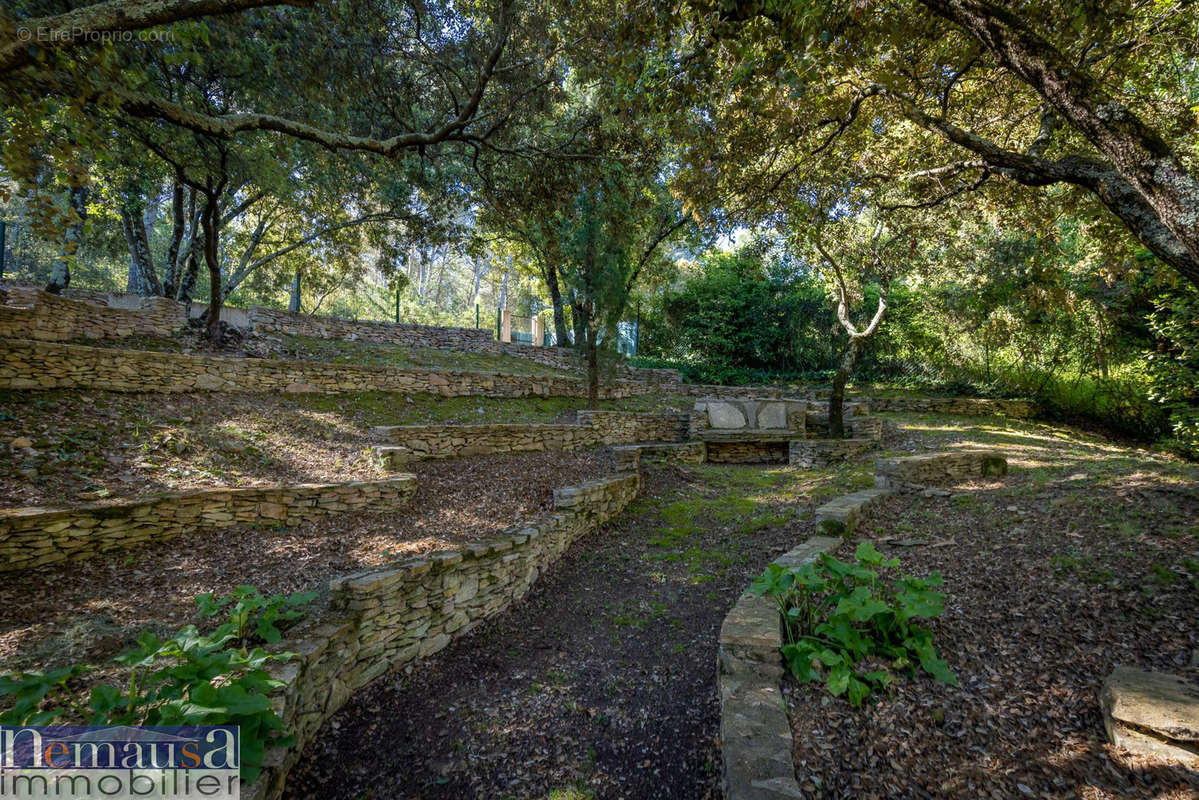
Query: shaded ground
90, 610
599, 684
93, 445
1085, 557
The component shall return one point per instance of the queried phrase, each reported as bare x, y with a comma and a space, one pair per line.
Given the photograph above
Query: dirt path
602, 682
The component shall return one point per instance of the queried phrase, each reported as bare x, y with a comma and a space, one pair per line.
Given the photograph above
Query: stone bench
938, 468
748, 431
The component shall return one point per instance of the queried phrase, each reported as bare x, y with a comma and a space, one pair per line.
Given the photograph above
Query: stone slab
1152, 713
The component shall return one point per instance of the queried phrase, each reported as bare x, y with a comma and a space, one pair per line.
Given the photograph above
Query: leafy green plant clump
846, 623
193, 678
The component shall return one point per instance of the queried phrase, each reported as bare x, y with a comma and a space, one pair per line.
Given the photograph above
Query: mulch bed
90, 610
602, 680
87, 446
1048, 588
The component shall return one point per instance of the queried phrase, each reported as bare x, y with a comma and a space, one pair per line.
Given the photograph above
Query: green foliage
253, 616
1174, 366
192, 678
847, 624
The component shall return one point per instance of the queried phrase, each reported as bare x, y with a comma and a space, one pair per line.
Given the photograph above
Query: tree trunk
188, 274
170, 277
592, 338
836, 400
60, 275
143, 278
579, 322
209, 220
293, 302
551, 282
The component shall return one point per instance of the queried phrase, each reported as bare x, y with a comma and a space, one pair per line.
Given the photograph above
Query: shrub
192, 678
844, 622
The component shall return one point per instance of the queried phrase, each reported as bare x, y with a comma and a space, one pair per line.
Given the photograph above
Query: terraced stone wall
975, 406
30, 537
50, 365
932, 469
46, 317
815, 453
385, 618
409, 442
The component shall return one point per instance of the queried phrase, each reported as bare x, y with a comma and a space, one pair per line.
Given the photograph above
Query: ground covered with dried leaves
1085, 556
601, 682
90, 610
62, 448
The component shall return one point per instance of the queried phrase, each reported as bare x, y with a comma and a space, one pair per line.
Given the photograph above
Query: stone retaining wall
932, 469
816, 427
814, 453
629, 456
746, 452
30, 537
755, 735
48, 365
839, 517
46, 317
411, 442
274, 320
385, 618
976, 406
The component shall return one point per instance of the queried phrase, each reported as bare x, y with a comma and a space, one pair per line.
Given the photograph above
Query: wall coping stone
755, 734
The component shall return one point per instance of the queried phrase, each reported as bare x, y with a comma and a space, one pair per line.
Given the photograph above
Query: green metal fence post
397, 306
476, 315
2, 253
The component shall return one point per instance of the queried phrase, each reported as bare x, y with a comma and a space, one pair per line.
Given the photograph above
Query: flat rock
725, 415
1153, 713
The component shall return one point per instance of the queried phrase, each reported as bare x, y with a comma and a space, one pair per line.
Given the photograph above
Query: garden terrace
94, 608
1079, 560
63, 448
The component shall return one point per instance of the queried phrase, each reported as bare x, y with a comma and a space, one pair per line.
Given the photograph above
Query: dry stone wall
932, 469
411, 442
747, 452
629, 456
385, 618
45, 317
30, 537
49, 365
755, 735
975, 406
815, 453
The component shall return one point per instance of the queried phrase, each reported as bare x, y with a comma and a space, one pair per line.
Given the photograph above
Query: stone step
839, 517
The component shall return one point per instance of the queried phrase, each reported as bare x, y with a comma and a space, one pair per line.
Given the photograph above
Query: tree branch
88, 24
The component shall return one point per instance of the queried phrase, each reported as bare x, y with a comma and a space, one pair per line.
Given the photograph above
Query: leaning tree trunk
836, 400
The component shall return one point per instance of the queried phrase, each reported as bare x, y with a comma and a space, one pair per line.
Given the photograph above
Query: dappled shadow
154, 586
